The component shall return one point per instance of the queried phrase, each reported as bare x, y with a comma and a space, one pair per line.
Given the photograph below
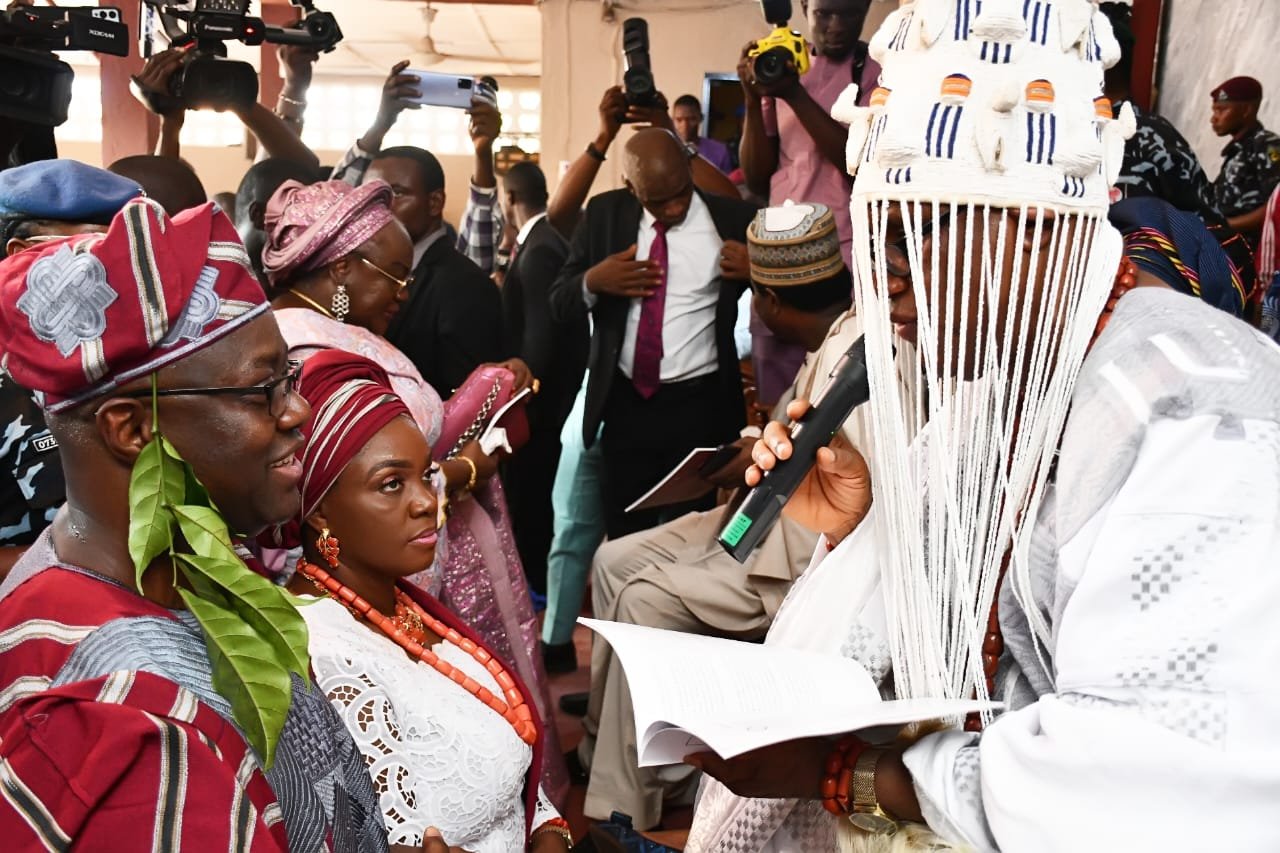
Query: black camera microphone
846, 389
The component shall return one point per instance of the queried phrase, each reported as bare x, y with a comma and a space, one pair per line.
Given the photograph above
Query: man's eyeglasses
400, 283
276, 391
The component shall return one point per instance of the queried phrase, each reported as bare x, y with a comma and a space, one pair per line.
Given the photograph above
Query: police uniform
1250, 171
31, 485
1159, 162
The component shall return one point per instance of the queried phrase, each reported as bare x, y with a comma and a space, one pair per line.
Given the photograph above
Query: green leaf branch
254, 633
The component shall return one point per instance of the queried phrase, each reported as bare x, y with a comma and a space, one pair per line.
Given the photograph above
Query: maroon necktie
646, 370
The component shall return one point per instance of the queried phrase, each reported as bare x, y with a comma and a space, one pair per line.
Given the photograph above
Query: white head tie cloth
985, 156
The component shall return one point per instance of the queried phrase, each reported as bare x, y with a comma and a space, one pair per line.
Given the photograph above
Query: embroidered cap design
66, 299
201, 310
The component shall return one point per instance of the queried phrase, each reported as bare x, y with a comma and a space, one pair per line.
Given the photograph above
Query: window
338, 113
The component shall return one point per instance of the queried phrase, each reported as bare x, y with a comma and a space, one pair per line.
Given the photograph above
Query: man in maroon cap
1251, 161
112, 733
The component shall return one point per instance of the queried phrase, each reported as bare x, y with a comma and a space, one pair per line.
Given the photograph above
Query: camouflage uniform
1250, 171
31, 485
1159, 162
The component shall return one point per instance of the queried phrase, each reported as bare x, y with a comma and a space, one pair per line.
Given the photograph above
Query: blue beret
65, 191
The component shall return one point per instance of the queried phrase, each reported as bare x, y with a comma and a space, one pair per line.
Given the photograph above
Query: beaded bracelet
559, 826
838, 781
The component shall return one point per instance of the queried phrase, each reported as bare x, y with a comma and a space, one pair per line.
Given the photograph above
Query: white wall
581, 58
1207, 42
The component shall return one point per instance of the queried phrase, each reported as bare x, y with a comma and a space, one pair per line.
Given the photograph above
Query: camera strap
860, 51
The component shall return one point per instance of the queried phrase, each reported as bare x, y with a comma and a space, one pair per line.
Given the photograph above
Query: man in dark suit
660, 267
556, 353
453, 320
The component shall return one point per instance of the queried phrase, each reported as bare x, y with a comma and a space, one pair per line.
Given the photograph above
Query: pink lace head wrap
309, 226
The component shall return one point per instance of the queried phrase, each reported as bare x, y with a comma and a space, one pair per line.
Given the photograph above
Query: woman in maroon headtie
447, 731
339, 262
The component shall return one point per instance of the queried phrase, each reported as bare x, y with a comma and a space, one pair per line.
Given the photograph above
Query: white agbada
1149, 722
438, 755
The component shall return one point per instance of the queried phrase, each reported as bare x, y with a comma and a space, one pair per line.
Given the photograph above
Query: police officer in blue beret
57, 198
38, 202
1251, 160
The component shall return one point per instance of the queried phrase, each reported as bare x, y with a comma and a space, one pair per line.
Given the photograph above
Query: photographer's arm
482, 223
150, 86
167, 144
571, 193
396, 89
757, 150
297, 62
276, 137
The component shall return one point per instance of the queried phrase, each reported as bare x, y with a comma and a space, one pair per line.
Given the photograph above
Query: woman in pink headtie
340, 265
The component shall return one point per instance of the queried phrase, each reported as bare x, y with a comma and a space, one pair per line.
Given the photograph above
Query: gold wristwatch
865, 812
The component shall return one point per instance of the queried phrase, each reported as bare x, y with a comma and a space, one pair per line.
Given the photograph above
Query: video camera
35, 86
637, 80
207, 78
781, 53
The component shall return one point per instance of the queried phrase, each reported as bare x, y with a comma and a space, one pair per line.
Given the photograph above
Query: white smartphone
448, 90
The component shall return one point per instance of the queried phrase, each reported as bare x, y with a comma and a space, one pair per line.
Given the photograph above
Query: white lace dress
438, 755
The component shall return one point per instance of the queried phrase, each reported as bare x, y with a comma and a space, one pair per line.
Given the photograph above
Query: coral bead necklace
408, 629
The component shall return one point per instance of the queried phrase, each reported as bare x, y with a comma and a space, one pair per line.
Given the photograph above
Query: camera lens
638, 84
772, 66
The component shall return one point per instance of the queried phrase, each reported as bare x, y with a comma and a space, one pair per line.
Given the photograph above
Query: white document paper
693, 693
494, 436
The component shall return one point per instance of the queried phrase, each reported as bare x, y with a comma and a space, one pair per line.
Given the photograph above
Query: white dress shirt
420, 247
693, 289
528, 227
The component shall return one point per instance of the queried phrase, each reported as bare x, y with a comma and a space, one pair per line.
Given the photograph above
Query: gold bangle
471, 484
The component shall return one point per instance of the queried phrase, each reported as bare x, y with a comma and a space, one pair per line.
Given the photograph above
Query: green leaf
246, 672
267, 608
205, 532
197, 494
155, 485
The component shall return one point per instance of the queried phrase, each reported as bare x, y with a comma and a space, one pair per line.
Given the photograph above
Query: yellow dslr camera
769, 58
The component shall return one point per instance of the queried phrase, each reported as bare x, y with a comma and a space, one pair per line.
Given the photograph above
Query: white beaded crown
989, 102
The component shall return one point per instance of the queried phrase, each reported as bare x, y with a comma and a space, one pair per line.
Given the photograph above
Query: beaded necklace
408, 630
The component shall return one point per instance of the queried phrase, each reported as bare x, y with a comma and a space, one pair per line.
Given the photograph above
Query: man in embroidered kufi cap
136, 710
1079, 524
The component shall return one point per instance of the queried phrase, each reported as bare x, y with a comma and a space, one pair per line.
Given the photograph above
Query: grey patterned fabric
319, 778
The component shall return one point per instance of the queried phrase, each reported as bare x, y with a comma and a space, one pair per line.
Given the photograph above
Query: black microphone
846, 389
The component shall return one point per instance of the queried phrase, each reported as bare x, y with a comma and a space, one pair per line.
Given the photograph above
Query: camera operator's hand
485, 124
754, 89
151, 84
613, 106
747, 75
622, 275
396, 91
298, 62
658, 115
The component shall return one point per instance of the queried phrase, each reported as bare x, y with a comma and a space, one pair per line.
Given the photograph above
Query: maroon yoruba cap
86, 314
1238, 89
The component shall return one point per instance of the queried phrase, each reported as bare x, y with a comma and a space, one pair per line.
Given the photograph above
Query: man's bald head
657, 172
168, 180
